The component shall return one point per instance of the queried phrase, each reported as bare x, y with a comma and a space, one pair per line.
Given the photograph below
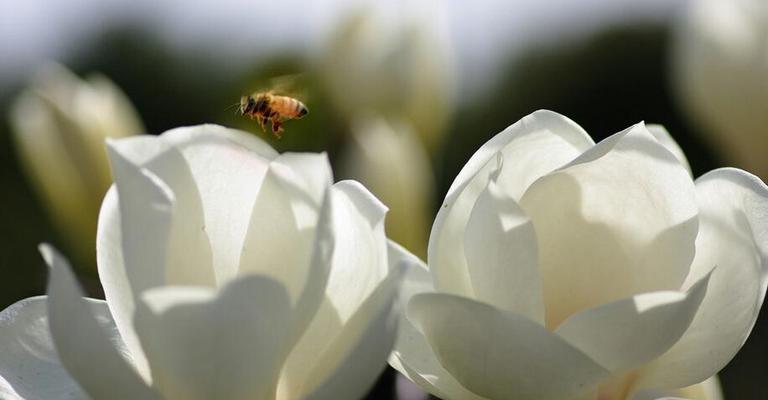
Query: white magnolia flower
563, 269
720, 71
60, 124
389, 160
393, 61
230, 272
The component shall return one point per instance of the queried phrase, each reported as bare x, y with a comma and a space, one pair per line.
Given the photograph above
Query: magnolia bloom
230, 272
393, 62
389, 160
60, 124
564, 269
720, 71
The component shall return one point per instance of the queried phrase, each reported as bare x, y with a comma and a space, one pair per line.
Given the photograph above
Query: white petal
360, 256
532, 147
216, 134
141, 149
619, 220
189, 251
228, 167
132, 242
203, 346
707, 390
412, 355
501, 355
502, 255
312, 170
350, 365
734, 237
146, 212
87, 343
416, 279
30, 368
280, 237
358, 265
662, 135
630, 332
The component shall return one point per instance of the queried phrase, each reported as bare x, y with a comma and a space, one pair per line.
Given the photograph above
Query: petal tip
48, 253
357, 191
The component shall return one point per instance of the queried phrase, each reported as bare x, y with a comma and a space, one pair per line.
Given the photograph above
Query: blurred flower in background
394, 66
394, 165
391, 77
720, 73
60, 123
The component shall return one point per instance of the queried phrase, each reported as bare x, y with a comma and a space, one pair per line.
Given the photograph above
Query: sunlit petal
531, 148
201, 345
501, 355
734, 237
87, 343
624, 211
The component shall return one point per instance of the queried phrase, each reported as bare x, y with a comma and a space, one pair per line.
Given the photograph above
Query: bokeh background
450, 74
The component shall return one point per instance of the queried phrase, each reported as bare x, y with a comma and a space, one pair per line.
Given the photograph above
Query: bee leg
277, 129
262, 122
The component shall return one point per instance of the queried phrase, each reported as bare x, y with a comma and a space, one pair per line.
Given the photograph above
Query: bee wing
288, 83
291, 85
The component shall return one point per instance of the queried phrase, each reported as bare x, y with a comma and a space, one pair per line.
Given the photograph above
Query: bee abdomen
289, 107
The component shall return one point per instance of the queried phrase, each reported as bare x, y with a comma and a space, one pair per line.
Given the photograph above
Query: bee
270, 107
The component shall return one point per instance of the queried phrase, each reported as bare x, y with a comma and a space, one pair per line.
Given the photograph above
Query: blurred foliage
605, 83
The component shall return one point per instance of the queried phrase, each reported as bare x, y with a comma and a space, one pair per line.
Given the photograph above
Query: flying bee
269, 107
